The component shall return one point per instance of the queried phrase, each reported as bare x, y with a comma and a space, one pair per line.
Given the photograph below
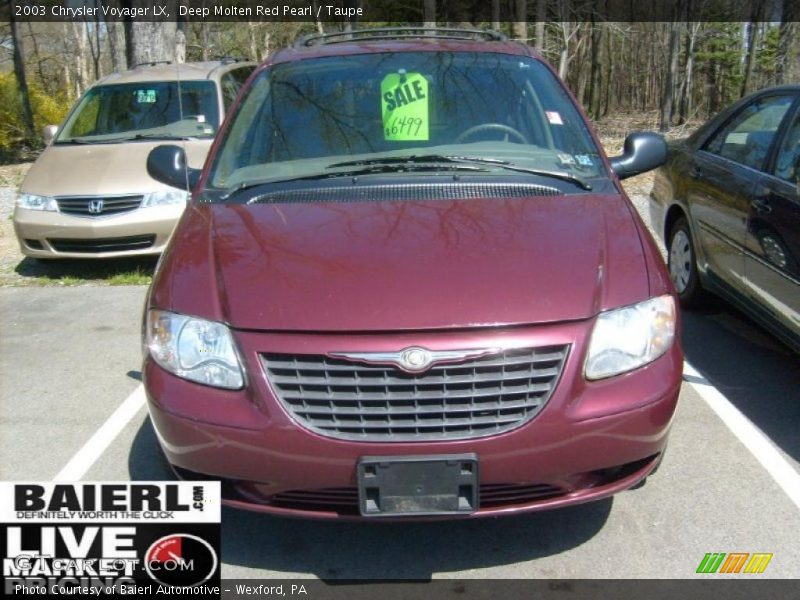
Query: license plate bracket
391, 486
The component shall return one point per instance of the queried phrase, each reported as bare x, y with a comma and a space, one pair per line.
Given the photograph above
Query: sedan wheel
682, 264
680, 260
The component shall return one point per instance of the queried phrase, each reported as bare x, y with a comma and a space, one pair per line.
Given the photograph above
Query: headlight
34, 202
627, 338
194, 349
164, 198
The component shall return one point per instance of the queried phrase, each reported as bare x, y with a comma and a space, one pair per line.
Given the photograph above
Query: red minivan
410, 285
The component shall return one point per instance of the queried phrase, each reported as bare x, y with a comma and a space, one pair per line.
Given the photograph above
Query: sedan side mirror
167, 164
642, 152
49, 134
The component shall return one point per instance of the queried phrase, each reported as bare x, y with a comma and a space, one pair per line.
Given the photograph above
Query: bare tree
751, 32
22, 82
520, 20
429, 13
496, 15
153, 42
541, 17
671, 77
116, 46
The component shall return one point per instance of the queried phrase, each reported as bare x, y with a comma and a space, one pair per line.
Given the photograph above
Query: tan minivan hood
92, 169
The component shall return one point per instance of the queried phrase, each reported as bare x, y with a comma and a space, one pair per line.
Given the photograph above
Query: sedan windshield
146, 110
414, 111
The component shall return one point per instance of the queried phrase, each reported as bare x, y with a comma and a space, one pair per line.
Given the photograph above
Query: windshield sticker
145, 96
566, 159
584, 159
553, 117
404, 103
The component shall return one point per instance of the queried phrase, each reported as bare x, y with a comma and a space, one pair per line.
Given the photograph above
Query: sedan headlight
34, 202
164, 198
194, 349
627, 338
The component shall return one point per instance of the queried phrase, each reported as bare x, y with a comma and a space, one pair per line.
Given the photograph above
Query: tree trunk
541, 17
520, 20
685, 94
597, 50
563, 59
153, 42
429, 13
671, 77
79, 52
787, 60
751, 32
252, 34
496, 15
317, 22
22, 83
116, 46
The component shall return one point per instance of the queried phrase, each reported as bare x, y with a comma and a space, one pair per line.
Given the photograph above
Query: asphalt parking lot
71, 407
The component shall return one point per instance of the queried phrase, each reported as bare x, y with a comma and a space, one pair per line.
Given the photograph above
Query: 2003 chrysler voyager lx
409, 284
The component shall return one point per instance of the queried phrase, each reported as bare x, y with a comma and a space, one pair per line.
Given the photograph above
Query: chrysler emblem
414, 359
96, 207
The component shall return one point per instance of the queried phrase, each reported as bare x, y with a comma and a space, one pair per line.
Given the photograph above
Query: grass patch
119, 271
136, 277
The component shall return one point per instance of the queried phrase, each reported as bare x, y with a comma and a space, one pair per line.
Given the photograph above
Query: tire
682, 263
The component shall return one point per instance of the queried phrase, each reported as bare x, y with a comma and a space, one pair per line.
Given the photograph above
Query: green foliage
47, 110
719, 56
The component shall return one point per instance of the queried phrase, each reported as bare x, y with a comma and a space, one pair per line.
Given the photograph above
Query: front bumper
144, 231
591, 440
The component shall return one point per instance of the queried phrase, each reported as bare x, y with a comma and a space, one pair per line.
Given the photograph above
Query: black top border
363, 12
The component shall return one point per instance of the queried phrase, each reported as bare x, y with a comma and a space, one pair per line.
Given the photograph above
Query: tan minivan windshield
144, 110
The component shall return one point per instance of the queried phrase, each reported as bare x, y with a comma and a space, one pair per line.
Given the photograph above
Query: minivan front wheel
682, 263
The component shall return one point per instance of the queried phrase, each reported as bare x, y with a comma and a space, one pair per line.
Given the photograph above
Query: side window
241, 75
230, 88
747, 138
787, 164
232, 82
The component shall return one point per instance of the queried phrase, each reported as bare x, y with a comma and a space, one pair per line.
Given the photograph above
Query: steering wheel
488, 127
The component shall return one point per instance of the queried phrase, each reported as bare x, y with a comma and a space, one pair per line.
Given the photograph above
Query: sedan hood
365, 266
94, 169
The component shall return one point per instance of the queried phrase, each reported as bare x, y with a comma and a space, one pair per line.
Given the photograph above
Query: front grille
476, 398
106, 205
344, 501
96, 246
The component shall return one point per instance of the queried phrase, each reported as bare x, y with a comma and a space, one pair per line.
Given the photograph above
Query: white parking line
83, 460
754, 440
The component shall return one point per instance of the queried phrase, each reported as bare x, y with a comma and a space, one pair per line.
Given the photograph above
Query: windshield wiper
370, 170
127, 138
493, 162
162, 136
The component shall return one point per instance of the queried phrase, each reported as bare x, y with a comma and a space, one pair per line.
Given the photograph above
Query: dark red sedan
409, 284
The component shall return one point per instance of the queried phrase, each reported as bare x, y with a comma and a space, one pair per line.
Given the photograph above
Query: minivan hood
93, 169
365, 266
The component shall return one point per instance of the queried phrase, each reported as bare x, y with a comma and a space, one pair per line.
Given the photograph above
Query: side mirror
49, 134
167, 164
642, 152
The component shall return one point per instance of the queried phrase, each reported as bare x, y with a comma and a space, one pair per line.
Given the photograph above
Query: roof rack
226, 60
153, 63
399, 33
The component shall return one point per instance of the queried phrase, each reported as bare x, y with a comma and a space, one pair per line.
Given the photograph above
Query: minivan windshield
146, 110
488, 112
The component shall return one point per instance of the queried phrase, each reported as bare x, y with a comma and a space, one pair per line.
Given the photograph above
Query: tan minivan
89, 195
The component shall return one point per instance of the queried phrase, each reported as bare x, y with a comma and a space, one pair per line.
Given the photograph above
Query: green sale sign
404, 103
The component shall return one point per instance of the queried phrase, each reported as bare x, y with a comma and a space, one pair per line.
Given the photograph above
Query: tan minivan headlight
34, 202
164, 198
